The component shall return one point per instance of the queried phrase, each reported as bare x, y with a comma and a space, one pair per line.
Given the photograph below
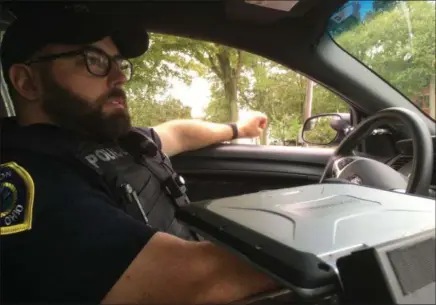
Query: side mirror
324, 129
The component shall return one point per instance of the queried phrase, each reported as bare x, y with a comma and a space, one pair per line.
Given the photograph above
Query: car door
234, 169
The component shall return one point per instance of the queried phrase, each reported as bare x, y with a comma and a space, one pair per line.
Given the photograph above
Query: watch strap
234, 129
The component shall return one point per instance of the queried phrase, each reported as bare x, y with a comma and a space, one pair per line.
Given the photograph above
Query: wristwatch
235, 130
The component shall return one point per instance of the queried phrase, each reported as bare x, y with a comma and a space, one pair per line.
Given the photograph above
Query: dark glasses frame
84, 52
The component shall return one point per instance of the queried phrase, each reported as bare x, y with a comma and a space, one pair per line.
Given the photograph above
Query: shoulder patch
16, 199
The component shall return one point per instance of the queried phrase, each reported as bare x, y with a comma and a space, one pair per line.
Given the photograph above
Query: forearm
184, 135
169, 270
194, 134
229, 278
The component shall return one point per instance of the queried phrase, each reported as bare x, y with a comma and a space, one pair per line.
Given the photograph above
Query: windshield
396, 39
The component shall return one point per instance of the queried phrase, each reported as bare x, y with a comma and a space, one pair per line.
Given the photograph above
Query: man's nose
116, 76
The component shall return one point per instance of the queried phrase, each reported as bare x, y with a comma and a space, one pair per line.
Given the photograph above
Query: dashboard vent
400, 161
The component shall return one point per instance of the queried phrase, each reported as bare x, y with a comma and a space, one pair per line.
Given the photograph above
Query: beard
82, 117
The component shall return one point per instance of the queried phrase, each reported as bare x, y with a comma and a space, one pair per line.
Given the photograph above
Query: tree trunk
232, 96
264, 136
308, 106
229, 76
432, 93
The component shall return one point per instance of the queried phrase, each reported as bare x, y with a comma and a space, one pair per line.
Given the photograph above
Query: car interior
283, 208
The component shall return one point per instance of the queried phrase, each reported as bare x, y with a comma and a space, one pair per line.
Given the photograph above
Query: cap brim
131, 41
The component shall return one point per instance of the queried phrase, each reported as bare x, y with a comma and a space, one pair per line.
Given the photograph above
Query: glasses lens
97, 62
125, 67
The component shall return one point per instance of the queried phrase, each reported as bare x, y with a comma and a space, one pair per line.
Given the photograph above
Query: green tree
321, 133
242, 80
402, 52
152, 112
238, 80
172, 57
220, 64
325, 101
148, 92
281, 94
217, 110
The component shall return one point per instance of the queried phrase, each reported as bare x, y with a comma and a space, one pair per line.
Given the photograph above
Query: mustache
113, 93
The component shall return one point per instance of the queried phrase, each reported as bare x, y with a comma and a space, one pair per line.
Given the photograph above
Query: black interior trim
253, 160
253, 169
247, 152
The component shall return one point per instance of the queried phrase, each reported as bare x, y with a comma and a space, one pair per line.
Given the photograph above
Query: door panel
228, 169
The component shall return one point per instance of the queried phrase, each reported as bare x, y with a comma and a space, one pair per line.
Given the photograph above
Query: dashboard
403, 161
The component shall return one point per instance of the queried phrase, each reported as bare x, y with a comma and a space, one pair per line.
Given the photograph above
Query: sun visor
280, 5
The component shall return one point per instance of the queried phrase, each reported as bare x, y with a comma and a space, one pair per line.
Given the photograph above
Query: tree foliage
152, 113
321, 132
398, 43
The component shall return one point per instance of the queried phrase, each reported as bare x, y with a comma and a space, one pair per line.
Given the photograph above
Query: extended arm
178, 136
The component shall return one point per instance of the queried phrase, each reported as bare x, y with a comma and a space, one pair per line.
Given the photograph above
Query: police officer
88, 201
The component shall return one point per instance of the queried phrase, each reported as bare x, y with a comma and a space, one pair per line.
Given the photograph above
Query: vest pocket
160, 211
137, 177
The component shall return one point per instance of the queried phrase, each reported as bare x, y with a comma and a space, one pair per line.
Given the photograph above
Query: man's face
79, 101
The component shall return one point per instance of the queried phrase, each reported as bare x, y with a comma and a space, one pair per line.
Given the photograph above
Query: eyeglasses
98, 62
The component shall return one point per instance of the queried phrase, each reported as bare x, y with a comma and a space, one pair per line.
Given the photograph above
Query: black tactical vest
135, 173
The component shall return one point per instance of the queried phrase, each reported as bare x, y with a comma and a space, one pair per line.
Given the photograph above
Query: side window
6, 107
184, 78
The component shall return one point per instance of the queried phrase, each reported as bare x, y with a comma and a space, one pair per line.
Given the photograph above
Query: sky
365, 7
196, 96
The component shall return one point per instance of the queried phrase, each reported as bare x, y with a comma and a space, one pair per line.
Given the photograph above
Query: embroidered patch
16, 199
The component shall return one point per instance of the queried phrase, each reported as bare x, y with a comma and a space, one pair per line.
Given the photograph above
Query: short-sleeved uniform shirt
79, 243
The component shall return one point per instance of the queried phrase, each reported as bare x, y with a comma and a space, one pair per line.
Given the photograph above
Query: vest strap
145, 150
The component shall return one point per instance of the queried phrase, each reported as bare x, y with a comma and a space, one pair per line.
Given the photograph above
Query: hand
253, 126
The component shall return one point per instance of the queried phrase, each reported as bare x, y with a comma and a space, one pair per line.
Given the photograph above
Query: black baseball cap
30, 33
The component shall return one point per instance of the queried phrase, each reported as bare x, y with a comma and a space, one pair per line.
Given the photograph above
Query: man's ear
24, 81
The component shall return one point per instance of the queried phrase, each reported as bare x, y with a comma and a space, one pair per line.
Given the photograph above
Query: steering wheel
346, 166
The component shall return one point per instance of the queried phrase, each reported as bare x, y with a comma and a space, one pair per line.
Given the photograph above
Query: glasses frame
84, 52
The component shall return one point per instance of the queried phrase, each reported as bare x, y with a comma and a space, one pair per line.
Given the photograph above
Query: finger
262, 123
